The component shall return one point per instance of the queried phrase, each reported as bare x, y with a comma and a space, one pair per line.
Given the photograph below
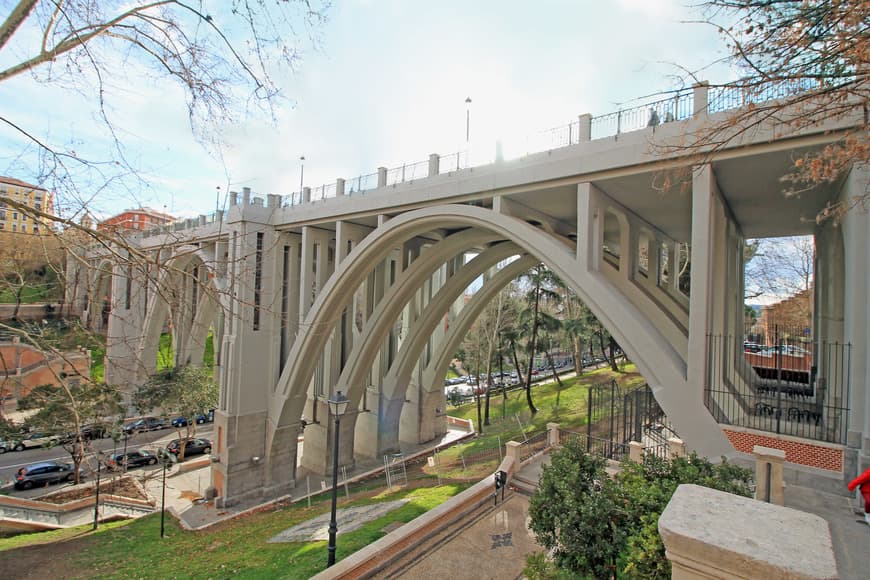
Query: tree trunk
533, 345
517, 366
555, 376
610, 347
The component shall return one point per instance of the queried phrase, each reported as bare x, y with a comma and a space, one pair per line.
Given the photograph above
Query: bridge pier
317, 446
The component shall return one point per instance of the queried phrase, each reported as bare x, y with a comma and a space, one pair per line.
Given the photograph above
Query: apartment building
141, 218
15, 219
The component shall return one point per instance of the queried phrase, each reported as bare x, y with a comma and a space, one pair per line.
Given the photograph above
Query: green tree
64, 410
578, 515
186, 391
591, 522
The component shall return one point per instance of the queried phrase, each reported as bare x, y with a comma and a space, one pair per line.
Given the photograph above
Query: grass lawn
237, 548
506, 419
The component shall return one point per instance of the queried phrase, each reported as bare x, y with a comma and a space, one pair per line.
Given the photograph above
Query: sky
386, 85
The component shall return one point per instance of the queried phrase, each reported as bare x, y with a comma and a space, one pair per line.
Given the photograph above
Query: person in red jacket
863, 482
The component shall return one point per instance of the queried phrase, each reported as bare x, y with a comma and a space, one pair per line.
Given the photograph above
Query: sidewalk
850, 534
184, 491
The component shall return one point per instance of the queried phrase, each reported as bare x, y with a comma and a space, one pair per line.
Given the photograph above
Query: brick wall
800, 452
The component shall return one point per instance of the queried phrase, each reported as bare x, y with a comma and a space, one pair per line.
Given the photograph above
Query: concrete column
306, 280
382, 176
434, 164
339, 187
512, 451
768, 474
676, 448
552, 434
585, 127
700, 92
856, 327
317, 448
635, 451
700, 300
306, 194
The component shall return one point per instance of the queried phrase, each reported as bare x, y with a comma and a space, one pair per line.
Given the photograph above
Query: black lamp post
97, 493
166, 459
337, 406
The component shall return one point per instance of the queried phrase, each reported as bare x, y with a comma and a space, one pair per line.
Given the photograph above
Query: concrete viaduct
359, 286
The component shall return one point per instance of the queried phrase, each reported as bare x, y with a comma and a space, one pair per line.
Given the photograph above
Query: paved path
494, 545
184, 491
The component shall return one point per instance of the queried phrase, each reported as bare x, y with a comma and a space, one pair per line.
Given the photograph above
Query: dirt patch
122, 487
51, 560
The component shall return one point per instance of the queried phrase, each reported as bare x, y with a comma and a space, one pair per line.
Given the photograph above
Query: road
11, 461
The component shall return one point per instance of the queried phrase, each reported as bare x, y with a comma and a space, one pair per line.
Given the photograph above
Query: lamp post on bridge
467, 120
337, 406
301, 172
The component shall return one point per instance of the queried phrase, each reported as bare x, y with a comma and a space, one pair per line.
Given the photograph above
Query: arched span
379, 323
158, 307
437, 367
397, 378
378, 326
660, 363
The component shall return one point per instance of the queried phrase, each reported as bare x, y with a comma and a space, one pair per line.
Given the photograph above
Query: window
2, 214
38, 206
14, 227
35, 229
23, 228
2, 225
15, 215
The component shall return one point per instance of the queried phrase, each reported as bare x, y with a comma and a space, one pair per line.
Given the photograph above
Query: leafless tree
802, 63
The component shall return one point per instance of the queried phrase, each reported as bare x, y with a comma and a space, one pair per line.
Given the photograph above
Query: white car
36, 440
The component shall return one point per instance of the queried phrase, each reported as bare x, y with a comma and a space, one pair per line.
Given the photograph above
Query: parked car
36, 440
4, 446
146, 424
42, 473
199, 419
195, 446
88, 432
131, 459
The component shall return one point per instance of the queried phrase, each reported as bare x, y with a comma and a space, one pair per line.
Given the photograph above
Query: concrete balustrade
709, 534
769, 484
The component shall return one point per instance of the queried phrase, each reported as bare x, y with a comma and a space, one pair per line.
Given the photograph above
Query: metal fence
532, 445
674, 108
596, 445
794, 386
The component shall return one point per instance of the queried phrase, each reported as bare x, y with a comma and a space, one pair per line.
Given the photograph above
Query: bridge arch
171, 276
659, 362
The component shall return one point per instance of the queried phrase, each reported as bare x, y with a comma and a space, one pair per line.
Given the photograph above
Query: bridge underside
367, 294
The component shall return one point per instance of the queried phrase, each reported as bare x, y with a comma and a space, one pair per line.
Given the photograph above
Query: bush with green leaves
599, 527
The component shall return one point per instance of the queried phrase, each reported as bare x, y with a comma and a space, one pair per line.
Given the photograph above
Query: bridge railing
675, 106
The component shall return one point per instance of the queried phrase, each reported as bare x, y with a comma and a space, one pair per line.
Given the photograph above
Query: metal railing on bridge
649, 112
795, 386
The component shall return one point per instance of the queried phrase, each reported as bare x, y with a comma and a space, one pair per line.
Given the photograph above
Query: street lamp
301, 172
337, 406
166, 458
467, 119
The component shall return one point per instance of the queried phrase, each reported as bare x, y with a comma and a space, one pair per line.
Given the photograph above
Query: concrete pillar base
317, 447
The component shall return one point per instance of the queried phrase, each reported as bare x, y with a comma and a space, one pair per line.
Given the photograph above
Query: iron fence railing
596, 445
408, 172
677, 107
361, 183
453, 162
734, 96
532, 445
796, 387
